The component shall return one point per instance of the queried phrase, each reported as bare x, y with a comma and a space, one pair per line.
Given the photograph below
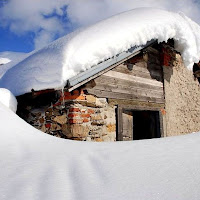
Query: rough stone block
79, 131
91, 99
85, 120
85, 115
61, 119
99, 103
111, 127
75, 121
90, 111
66, 130
98, 122
72, 115
88, 139
41, 120
43, 128
96, 117
98, 140
74, 110
48, 125
55, 127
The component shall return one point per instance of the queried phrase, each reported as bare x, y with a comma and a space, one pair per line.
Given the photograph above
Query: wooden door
127, 120
137, 124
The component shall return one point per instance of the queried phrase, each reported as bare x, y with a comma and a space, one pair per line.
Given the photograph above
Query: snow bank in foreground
53, 65
7, 98
37, 166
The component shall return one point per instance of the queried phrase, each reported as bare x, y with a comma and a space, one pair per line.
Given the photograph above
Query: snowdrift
37, 166
8, 99
53, 65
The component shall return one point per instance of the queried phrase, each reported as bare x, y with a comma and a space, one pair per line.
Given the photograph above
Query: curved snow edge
8, 99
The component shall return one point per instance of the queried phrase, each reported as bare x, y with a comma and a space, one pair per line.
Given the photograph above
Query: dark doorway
146, 125
138, 124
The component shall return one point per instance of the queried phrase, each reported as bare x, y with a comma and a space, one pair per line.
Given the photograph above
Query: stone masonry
182, 94
76, 115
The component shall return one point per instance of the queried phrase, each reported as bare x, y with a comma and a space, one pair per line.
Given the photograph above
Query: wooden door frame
120, 108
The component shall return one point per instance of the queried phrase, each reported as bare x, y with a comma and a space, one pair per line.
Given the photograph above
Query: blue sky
9, 41
24, 41
26, 25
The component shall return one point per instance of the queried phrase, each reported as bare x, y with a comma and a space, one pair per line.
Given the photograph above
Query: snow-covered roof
53, 65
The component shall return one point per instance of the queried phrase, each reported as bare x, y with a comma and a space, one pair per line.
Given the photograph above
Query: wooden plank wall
139, 78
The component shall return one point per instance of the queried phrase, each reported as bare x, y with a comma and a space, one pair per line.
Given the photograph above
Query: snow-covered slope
4, 61
37, 166
8, 59
12, 56
8, 99
51, 66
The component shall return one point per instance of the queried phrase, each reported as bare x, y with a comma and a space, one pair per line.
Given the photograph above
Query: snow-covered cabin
121, 79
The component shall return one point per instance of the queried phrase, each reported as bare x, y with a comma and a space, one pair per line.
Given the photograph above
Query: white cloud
24, 16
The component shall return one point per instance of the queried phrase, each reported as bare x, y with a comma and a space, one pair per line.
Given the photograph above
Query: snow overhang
103, 67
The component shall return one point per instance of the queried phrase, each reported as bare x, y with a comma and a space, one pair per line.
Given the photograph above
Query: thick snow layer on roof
8, 99
37, 166
51, 66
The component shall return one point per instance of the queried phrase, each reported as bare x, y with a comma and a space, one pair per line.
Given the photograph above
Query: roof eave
105, 66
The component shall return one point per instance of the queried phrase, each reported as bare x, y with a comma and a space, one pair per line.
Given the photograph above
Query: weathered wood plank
119, 124
135, 104
135, 67
129, 90
127, 120
125, 83
153, 50
140, 72
113, 74
118, 95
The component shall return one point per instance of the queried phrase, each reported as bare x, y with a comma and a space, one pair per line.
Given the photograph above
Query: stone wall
75, 115
182, 96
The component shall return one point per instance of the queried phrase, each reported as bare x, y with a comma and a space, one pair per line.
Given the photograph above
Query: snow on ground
8, 99
8, 59
37, 166
53, 65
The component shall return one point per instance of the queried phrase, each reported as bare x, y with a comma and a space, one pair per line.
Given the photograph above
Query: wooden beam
125, 83
140, 72
113, 74
119, 124
130, 90
136, 104
117, 95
